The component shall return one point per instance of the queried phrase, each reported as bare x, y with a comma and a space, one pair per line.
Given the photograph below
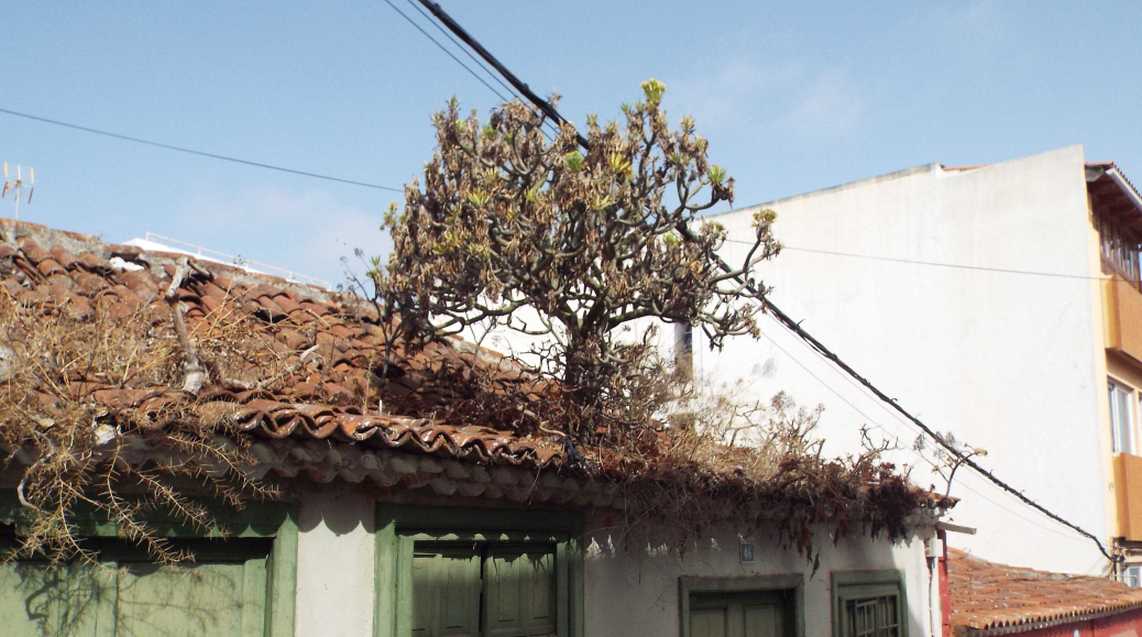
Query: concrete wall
627, 591
636, 592
335, 563
1009, 362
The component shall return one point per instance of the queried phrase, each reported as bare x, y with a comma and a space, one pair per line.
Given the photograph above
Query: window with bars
1132, 576
869, 604
1120, 253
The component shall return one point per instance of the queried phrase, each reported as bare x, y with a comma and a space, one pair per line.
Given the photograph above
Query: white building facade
994, 302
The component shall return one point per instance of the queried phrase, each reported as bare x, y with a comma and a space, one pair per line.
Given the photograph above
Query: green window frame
400, 528
869, 593
262, 528
691, 586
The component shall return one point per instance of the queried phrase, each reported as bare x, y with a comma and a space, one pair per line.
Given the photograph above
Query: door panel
747, 614
520, 596
121, 599
708, 622
200, 599
764, 620
446, 593
37, 598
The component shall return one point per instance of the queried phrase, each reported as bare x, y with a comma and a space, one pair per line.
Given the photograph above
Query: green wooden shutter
709, 622
37, 598
750, 614
446, 592
520, 596
113, 599
200, 599
763, 620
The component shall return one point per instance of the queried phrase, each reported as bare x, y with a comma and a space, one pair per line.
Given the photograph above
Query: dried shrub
70, 413
511, 231
581, 253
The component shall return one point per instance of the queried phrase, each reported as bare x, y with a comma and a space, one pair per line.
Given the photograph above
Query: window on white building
1132, 576
1122, 414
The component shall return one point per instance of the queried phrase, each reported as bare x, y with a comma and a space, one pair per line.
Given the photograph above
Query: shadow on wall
634, 581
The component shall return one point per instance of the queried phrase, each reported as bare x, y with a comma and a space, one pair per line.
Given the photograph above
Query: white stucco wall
627, 591
1007, 362
335, 563
636, 592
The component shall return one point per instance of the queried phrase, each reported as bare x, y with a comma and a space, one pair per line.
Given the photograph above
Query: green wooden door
760, 614
520, 595
446, 593
69, 599
478, 589
127, 599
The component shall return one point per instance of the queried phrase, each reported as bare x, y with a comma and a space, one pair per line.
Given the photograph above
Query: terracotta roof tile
75, 273
989, 597
330, 396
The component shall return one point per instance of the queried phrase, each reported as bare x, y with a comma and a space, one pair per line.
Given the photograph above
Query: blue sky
793, 96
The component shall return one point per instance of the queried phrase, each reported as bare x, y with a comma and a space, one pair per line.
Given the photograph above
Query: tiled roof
78, 273
989, 598
331, 396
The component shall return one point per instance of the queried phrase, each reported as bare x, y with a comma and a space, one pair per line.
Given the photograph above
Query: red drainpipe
945, 590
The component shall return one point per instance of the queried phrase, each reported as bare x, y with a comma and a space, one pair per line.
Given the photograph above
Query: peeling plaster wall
626, 592
633, 592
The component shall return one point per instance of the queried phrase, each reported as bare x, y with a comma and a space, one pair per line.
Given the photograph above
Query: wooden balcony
1122, 308
1128, 493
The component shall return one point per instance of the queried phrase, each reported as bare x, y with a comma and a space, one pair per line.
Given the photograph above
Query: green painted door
520, 595
476, 589
446, 593
760, 614
134, 598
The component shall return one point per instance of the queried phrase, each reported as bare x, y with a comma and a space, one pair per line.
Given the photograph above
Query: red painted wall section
1124, 625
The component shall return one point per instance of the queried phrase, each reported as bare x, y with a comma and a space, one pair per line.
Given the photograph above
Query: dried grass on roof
91, 353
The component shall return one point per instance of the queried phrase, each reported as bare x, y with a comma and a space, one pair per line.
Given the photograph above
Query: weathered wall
1009, 362
636, 592
335, 563
627, 591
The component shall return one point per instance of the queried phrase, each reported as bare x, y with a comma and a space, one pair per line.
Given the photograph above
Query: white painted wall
627, 591
335, 563
636, 592
1009, 362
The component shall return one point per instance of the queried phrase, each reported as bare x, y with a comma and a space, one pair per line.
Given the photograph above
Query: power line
935, 264
962, 483
478, 61
456, 59
446, 51
748, 284
524, 90
193, 151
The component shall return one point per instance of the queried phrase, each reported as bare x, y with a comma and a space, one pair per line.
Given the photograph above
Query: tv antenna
21, 189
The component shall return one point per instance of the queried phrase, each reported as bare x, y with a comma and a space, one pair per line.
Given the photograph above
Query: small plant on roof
570, 245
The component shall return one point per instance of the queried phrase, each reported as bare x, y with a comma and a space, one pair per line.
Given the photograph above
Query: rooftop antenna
21, 189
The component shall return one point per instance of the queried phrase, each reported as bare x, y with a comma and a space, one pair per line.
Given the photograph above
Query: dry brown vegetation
66, 386
582, 252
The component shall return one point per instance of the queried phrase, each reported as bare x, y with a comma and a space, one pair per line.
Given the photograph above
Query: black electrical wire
193, 151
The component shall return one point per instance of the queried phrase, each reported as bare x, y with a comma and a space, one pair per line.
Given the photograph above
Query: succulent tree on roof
542, 236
